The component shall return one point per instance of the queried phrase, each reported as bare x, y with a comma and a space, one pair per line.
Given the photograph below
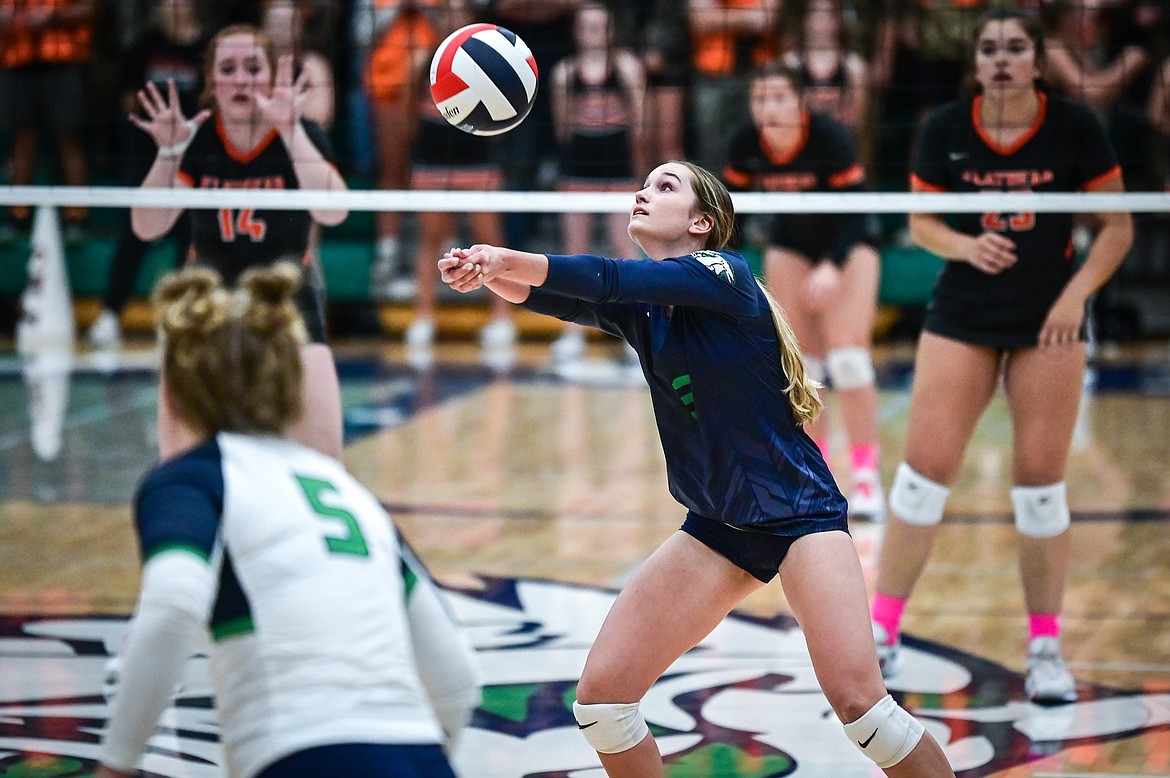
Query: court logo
744, 702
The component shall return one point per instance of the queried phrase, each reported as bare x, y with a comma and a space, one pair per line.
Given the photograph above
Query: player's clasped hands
992, 253
466, 270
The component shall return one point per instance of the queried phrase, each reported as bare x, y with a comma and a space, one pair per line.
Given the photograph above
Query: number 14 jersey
234, 239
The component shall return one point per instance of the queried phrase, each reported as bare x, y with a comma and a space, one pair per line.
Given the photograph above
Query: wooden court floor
532, 496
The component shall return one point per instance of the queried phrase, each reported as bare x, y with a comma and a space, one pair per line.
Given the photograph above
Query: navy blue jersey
823, 160
232, 240
1066, 150
704, 334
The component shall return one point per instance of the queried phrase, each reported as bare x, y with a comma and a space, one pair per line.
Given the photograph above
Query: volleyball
483, 79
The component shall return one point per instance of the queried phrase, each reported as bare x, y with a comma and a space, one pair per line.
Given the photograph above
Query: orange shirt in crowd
24, 40
401, 50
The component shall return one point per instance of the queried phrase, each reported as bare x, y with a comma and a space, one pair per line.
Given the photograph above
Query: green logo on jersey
688, 398
716, 263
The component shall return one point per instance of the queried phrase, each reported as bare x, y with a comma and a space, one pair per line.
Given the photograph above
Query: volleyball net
55, 272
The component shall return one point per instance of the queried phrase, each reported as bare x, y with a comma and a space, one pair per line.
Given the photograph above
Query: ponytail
802, 392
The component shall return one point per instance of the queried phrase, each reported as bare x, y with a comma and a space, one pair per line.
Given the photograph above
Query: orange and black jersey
1065, 150
234, 239
823, 160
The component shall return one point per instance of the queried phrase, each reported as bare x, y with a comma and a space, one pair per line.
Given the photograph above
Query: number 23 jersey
1065, 150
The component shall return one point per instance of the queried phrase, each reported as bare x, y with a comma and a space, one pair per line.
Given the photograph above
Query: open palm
164, 120
283, 108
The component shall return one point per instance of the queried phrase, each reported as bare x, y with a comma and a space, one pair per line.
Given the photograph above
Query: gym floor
532, 495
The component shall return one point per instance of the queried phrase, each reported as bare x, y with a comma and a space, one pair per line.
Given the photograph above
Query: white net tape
582, 202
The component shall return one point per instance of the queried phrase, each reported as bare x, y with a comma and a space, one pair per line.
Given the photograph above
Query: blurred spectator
918, 64
657, 31
598, 96
283, 21
728, 39
1144, 25
1160, 103
1072, 30
529, 150
444, 157
170, 50
836, 76
45, 46
399, 36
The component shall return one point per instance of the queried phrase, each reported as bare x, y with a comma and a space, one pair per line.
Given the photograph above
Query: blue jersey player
731, 397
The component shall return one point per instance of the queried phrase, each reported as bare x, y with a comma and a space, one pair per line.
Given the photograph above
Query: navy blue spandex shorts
363, 760
758, 553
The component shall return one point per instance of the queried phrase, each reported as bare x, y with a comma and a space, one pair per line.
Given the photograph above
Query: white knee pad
850, 368
611, 727
886, 733
1041, 511
916, 499
814, 368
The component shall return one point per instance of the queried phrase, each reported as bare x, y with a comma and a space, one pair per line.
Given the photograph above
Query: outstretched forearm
315, 172
512, 291
152, 223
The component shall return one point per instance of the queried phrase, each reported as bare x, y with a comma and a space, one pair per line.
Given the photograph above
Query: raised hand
283, 108
164, 120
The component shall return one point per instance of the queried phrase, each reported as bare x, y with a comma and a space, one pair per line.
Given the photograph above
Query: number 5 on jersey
352, 542
233, 224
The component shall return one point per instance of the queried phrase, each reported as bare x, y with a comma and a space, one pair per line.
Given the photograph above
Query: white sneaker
568, 347
498, 335
401, 289
384, 271
889, 652
420, 334
1048, 680
106, 331
867, 500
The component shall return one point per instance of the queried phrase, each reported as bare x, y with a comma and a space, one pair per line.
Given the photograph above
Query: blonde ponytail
231, 359
802, 392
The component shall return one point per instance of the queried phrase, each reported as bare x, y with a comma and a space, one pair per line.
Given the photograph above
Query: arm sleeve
445, 658
179, 504
720, 281
177, 590
606, 318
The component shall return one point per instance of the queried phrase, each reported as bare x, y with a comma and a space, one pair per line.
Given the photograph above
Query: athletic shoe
106, 332
498, 335
889, 652
384, 271
867, 500
420, 334
569, 347
1048, 680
